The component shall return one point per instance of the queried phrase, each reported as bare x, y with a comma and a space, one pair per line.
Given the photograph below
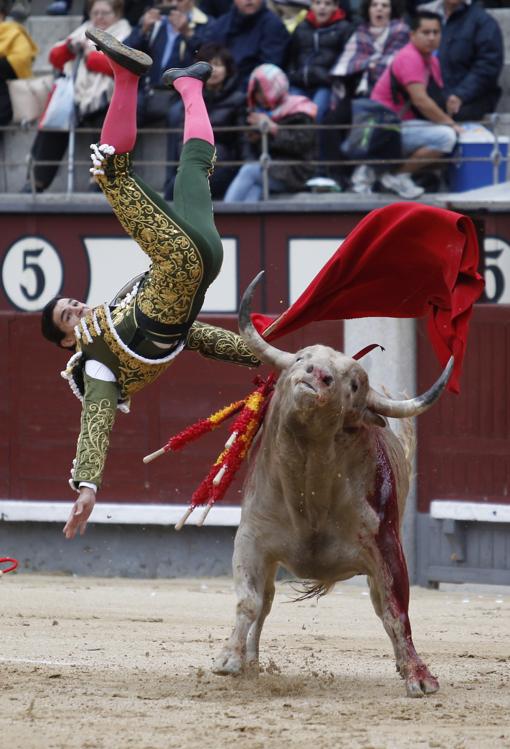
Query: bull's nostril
309, 369
327, 379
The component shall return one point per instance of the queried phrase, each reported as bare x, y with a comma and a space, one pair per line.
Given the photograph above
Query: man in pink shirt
407, 87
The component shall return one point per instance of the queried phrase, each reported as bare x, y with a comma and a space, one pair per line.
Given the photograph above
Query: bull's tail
310, 589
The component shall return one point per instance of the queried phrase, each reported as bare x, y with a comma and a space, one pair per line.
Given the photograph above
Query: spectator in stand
313, 48
366, 56
471, 55
17, 53
371, 48
291, 12
170, 34
271, 105
226, 106
411, 86
254, 35
93, 86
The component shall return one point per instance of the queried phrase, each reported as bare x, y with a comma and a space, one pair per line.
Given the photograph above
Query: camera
165, 8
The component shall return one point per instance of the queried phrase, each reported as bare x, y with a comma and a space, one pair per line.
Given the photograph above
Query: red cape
403, 260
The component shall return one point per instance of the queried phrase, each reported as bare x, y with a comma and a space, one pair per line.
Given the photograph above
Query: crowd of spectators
434, 63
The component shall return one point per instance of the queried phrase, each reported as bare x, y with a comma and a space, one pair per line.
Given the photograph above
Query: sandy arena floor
108, 664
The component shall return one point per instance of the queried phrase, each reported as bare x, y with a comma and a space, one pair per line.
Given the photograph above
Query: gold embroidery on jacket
96, 426
134, 374
168, 291
220, 344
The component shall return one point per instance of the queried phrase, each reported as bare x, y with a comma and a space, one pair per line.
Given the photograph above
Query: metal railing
496, 156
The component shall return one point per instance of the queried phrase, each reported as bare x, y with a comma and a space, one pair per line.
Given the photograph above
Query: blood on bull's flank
325, 496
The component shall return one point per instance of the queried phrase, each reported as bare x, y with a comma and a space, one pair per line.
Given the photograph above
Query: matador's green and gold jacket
108, 335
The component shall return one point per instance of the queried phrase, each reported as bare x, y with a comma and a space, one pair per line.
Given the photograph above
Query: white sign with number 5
32, 273
497, 270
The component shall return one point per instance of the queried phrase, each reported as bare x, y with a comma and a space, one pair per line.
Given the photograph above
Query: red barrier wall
39, 418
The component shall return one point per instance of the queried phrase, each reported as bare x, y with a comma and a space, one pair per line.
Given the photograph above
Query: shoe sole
131, 59
199, 70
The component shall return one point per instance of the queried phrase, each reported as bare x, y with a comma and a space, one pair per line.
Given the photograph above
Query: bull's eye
299, 358
354, 386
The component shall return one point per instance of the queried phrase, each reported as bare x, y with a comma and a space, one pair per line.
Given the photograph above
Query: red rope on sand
14, 564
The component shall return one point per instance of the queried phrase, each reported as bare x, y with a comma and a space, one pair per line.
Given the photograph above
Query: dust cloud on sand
112, 664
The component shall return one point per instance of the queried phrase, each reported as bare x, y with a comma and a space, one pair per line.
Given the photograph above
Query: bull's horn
413, 406
265, 352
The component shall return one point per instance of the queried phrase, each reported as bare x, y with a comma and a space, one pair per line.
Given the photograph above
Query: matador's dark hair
48, 328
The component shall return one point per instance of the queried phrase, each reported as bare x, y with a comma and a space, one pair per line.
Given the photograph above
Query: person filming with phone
170, 33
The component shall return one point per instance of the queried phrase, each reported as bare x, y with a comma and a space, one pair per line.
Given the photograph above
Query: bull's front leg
252, 645
389, 591
254, 598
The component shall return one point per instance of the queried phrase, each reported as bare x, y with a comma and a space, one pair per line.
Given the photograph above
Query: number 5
495, 270
29, 257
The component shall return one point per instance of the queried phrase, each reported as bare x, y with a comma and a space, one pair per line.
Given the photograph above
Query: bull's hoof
228, 664
420, 685
252, 667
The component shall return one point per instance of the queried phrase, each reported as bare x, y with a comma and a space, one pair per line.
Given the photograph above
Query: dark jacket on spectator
471, 54
226, 108
289, 145
252, 39
154, 45
313, 50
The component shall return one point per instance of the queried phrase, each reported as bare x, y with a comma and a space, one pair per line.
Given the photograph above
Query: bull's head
319, 375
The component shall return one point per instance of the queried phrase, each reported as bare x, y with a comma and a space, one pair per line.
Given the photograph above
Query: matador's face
67, 313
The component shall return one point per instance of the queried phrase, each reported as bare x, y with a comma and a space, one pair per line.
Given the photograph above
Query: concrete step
15, 148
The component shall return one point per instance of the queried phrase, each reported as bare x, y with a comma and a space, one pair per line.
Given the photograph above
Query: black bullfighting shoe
131, 59
200, 70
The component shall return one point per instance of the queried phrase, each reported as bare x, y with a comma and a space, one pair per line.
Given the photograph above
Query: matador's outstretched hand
82, 509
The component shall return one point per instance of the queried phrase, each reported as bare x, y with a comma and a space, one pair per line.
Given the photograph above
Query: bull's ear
370, 417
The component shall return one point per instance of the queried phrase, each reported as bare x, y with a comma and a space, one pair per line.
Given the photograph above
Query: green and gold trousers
181, 240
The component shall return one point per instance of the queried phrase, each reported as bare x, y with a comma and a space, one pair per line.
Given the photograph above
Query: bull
325, 496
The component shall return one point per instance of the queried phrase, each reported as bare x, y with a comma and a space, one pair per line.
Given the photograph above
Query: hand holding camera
149, 19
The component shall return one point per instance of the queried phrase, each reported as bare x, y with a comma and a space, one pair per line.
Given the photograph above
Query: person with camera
253, 34
170, 33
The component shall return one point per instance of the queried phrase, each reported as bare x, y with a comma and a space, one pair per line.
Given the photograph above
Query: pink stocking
196, 119
119, 127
